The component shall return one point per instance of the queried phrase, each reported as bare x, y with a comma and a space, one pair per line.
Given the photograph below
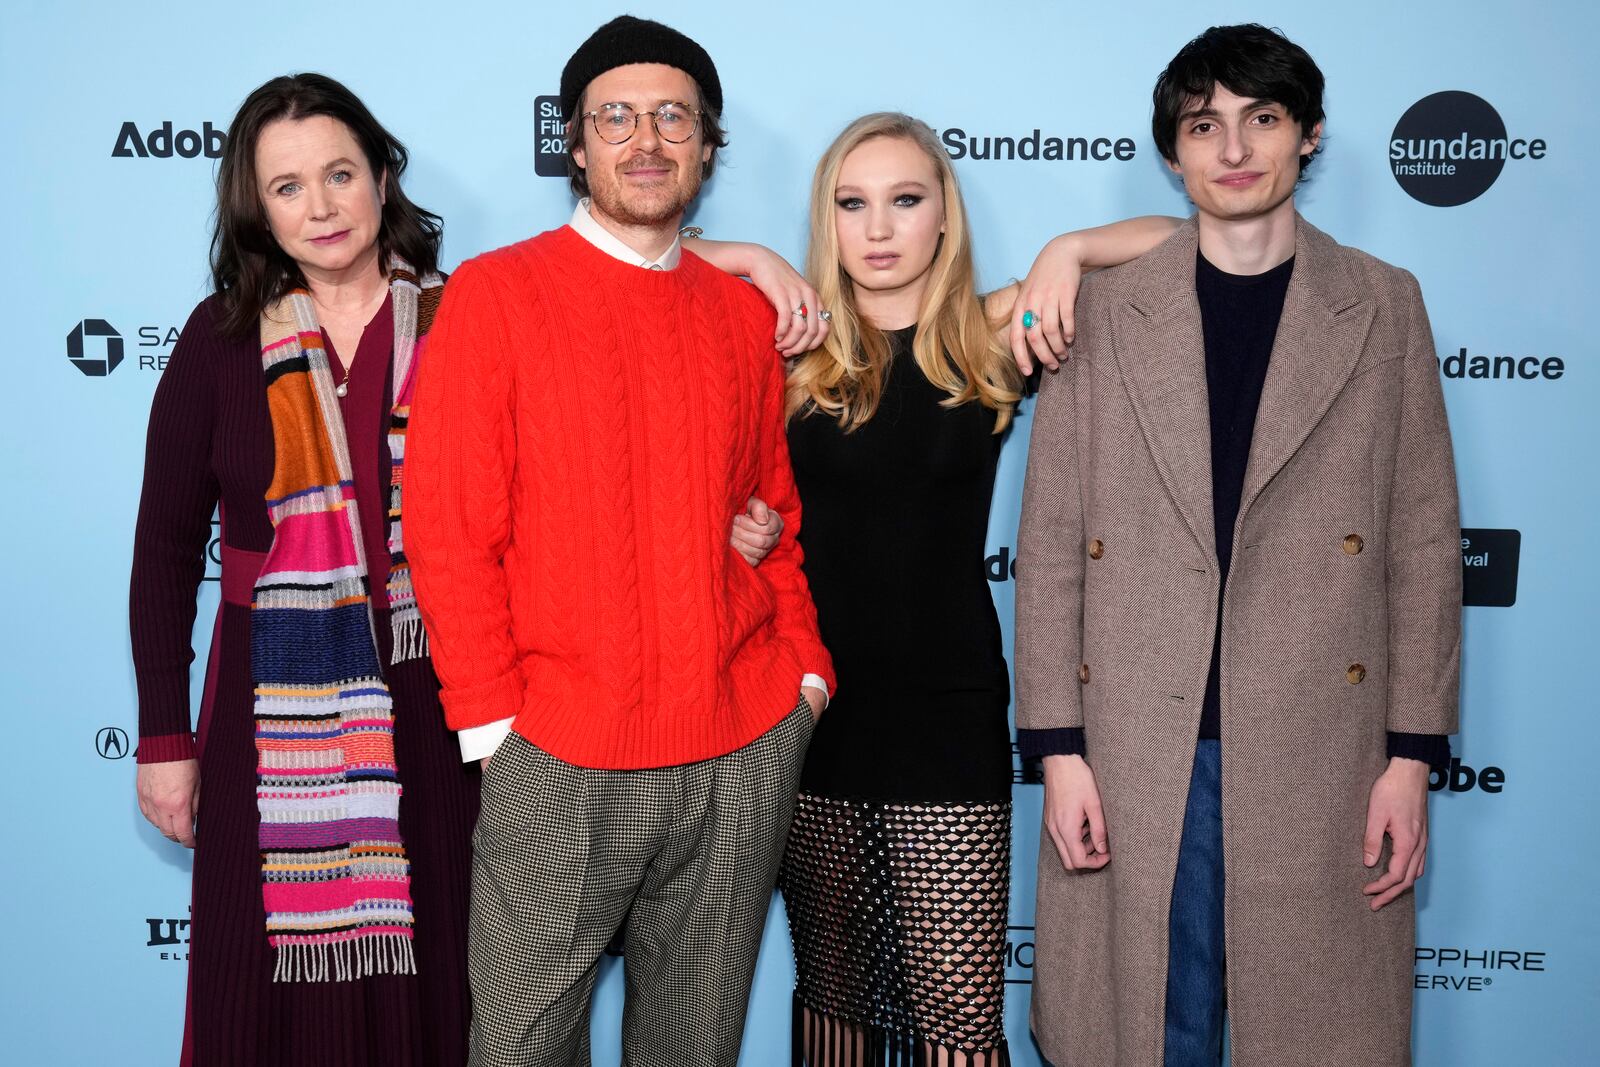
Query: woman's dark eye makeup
853, 203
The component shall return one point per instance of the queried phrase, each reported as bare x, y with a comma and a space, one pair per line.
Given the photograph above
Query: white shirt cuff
815, 681
480, 741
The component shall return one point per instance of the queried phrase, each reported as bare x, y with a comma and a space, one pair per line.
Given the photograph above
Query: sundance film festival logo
164, 142
1468, 970
111, 742
1001, 566
1501, 368
1449, 148
550, 138
1035, 145
1489, 561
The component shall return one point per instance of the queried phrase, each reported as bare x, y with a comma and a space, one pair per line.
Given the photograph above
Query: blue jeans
1196, 975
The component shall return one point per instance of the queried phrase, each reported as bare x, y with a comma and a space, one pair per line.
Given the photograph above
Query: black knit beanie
625, 40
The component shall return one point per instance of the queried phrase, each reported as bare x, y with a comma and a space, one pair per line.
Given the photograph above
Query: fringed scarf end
410, 639
345, 961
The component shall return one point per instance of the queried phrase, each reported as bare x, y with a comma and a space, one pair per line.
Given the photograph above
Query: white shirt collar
611, 245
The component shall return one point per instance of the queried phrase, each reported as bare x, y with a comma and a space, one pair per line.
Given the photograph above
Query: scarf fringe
345, 961
410, 639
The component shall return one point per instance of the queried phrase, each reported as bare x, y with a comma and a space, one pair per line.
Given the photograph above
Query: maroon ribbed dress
210, 441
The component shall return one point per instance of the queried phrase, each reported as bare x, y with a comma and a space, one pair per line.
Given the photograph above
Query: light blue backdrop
92, 235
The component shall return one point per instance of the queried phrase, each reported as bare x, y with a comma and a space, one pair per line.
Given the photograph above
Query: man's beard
645, 210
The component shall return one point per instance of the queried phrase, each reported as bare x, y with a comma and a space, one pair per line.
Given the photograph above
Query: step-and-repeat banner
1461, 144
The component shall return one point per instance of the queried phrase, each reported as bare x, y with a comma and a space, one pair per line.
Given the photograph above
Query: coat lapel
1160, 351
1320, 337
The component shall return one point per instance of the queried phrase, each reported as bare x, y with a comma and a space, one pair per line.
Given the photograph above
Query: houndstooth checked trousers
685, 856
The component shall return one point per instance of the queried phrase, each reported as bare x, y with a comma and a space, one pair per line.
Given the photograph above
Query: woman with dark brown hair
333, 843
309, 866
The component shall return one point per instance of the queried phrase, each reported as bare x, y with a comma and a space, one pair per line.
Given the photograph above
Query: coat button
1355, 674
1353, 544
1083, 673
1097, 548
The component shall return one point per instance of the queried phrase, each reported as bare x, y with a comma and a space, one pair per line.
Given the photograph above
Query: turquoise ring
1029, 320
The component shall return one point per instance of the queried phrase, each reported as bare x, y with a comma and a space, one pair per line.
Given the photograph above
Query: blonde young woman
897, 875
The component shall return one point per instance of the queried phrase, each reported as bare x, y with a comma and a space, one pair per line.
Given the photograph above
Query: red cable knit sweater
584, 433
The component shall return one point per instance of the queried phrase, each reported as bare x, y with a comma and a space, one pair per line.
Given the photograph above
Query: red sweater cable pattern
583, 434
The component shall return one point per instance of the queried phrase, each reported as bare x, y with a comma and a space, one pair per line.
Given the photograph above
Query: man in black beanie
598, 405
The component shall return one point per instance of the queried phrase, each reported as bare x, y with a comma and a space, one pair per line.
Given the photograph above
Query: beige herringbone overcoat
1342, 622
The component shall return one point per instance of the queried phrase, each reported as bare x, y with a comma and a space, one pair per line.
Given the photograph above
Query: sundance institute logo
1449, 148
95, 347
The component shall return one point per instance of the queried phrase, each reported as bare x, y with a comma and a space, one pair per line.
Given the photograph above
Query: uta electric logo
171, 936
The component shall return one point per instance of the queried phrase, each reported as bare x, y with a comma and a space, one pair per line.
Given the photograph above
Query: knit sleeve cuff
165, 748
1061, 741
487, 702
1432, 749
817, 664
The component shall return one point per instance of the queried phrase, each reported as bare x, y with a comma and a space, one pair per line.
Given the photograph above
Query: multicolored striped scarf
335, 877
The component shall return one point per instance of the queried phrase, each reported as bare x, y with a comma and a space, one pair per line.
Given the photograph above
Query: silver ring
825, 315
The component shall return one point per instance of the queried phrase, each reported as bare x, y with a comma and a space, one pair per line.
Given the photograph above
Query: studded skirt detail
898, 915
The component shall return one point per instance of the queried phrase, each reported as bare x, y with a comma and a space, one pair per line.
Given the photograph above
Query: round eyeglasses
615, 123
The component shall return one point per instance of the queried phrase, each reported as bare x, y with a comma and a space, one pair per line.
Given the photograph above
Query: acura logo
111, 742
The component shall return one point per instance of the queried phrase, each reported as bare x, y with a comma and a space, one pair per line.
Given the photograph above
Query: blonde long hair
956, 345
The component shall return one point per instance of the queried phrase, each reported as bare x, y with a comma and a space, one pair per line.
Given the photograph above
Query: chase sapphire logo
213, 571
95, 347
111, 742
1464, 969
1449, 148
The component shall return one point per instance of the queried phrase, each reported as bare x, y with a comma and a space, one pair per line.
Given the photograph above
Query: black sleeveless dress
897, 874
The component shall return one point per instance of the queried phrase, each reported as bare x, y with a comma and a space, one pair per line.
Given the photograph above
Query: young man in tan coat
1238, 613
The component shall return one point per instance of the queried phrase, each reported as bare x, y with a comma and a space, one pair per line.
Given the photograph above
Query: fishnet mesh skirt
898, 915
